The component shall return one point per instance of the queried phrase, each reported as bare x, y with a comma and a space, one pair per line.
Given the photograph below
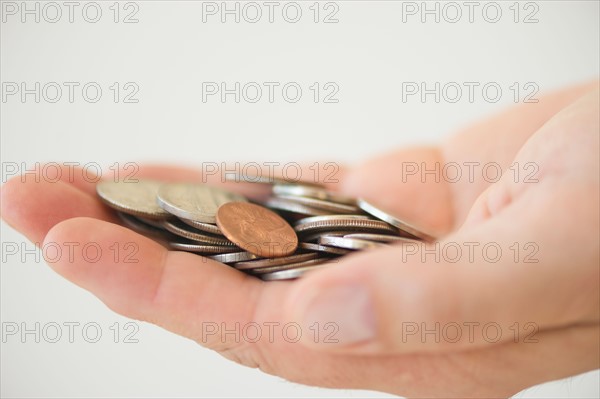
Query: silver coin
350, 243
301, 190
323, 248
199, 248
261, 263
194, 201
140, 226
134, 198
294, 207
158, 223
328, 206
380, 237
289, 266
266, 179
342, 222
234, 257
394, 221
183, 230
291, 274
314, 236
206, 227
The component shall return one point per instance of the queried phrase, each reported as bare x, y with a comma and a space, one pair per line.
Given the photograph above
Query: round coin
291, 274
342, 222
234, 257
282, 204
301, 190
394, 221
323, 248
265, 179
183, 230
141, 226
314, 236
270, 262
328, 206
289, 266
194, 201
380, 237
152, 222
199, 248
206, 227
350, 243
257, 229
134, 198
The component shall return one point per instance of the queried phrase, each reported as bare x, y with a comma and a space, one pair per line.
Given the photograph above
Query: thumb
464, 292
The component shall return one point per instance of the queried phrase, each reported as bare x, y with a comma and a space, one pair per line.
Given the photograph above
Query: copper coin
257, 229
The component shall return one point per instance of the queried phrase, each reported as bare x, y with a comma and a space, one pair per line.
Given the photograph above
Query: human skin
372, 296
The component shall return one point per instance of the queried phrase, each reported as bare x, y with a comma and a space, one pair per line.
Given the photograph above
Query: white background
168, 53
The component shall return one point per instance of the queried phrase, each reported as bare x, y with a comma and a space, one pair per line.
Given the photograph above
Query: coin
251, 238
301, 190
195, 201
199, 248
270, 262
152, 222
350, 243
291, 274
257, 229
323, 248
328, 206
183, 230
394, 221
289, 266
206, 227
265, 179
134, 198
234, 257
140, 225
380, 237
314, 236
293, 207
342, 222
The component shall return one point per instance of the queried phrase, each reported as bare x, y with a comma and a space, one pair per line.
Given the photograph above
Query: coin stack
300, 227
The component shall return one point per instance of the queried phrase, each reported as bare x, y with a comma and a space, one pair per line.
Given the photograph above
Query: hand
376, 299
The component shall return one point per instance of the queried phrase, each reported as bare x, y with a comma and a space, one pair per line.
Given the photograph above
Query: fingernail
348, 307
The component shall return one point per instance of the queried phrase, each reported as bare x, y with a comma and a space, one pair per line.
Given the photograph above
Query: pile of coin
300, 227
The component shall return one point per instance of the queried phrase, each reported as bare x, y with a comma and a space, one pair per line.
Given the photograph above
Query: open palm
546, 305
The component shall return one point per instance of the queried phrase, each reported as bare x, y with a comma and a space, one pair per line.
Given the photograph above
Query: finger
435, 187
140, 279
34, 207
394, 183
497, 140
526, 278
35, 202
498, 272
